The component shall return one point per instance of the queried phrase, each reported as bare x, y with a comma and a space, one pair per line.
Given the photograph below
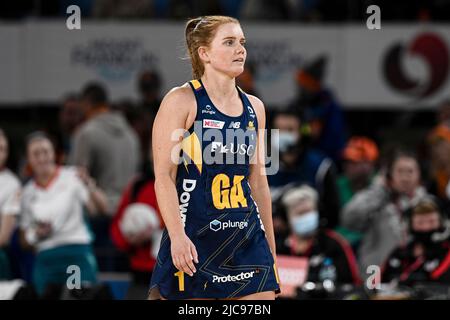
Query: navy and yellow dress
219, 214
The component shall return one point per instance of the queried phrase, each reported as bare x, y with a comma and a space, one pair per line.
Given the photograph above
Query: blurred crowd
86, 197
273, 10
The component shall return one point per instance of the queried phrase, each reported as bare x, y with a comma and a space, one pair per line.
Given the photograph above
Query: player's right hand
184, 254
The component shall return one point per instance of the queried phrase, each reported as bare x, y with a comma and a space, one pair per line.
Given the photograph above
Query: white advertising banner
398, 66
402, 66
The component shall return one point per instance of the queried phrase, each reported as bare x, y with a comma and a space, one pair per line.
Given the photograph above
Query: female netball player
215, 212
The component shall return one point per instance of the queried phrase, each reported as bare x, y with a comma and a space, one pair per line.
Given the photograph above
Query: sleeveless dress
219, 214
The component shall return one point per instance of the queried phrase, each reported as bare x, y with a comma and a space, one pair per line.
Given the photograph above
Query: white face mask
285, 141
306, 223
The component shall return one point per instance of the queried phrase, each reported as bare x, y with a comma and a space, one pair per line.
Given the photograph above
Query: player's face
226, 52
3, 151
41, 156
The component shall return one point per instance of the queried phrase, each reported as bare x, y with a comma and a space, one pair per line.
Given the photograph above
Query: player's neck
220, 87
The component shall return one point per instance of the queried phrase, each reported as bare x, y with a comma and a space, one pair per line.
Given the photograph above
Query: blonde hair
300, 194
200, 32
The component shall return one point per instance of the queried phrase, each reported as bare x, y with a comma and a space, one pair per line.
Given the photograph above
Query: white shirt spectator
60, 203
9, 193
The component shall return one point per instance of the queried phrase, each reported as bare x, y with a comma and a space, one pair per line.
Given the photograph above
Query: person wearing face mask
426, 257
378, 212
300, 164
330, 256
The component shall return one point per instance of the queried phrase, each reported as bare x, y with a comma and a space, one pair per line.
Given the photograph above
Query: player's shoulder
258, 106
257, 103
179, 96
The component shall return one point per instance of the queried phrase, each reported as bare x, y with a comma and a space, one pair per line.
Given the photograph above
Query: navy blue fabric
234, 256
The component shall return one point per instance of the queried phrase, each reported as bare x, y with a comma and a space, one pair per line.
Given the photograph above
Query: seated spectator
377, 211
426, 257
325, 249
52, 221
137, 230
359, 158
438, 142
9, 208
300, 164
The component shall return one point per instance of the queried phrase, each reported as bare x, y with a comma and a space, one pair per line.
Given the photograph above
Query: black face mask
425, 238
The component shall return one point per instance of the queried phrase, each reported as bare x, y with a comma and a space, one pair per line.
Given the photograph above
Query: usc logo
227, 196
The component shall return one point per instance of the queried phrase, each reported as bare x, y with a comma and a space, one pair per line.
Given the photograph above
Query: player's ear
203, 53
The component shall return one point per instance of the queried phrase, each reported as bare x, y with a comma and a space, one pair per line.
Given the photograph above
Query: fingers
189, 264
185, 263
182, 264
194, 253
176, 263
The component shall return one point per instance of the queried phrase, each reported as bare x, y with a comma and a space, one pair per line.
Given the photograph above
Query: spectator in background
149, 87
359, 164
71, 116
324, 248
359, 160
439, 152
378, 211
426, 256
9, 208
143, 116
105, 145
321, 110
137, 229
52, 219
300, 164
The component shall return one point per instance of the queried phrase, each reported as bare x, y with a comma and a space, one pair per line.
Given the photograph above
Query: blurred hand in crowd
83, 174
43, 229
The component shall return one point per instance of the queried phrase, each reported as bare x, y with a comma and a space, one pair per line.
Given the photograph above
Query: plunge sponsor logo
230, 278
217, 225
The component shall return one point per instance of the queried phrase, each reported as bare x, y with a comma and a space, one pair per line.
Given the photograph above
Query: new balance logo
234, 125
